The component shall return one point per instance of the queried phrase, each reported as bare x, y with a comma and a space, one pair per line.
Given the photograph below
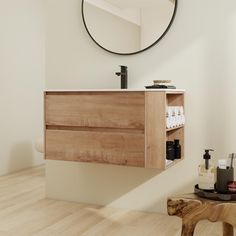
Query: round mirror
127, 27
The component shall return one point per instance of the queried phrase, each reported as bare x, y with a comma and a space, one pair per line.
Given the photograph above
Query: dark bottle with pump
170, 150
177, 147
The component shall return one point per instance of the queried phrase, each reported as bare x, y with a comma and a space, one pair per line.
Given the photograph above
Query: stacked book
161, 84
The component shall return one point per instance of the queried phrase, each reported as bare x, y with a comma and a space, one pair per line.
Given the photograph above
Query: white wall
21, 82
198, 54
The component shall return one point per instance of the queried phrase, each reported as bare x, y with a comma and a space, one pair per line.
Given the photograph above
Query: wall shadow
114, 186
93, 183
21, 156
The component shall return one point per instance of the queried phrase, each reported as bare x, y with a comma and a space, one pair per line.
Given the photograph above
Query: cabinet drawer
118, 148
83, 109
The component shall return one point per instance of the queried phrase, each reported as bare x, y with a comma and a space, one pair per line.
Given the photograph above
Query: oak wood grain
193, 209
24, 211
110, 110
175, 99
118, 148
134, 120
155, 130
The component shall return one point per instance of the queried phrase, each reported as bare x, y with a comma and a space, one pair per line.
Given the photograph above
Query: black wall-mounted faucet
124, 76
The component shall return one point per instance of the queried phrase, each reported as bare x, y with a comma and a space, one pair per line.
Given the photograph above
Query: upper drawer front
94, 109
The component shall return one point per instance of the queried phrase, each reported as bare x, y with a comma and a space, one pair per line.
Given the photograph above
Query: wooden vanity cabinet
113, 127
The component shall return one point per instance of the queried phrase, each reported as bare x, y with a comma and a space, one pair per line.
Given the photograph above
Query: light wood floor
25, 211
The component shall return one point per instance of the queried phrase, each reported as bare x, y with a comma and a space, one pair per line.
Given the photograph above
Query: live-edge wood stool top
192, 209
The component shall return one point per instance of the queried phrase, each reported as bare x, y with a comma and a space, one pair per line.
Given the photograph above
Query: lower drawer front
118, 148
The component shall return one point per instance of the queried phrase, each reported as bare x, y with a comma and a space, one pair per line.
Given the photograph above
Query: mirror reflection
127, 26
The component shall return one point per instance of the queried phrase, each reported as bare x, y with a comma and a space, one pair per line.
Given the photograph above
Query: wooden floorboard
24, 211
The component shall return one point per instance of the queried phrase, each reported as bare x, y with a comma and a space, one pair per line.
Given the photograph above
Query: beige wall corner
22, 77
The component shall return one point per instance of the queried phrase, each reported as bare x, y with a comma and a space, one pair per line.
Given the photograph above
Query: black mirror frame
133, 53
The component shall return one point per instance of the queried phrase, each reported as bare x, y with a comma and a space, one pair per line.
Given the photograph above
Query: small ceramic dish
161, 82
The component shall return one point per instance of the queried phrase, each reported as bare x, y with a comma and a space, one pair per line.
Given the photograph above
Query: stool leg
188, 229
228, 229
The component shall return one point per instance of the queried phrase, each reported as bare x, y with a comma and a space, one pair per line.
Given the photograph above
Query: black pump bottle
207, 157
177, 149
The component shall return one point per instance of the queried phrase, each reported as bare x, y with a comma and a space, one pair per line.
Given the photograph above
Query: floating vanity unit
121, 127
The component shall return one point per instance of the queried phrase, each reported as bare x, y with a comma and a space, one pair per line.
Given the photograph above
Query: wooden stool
192, 209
